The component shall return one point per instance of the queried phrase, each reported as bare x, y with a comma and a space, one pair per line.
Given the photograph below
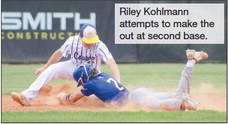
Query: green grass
159, 77
114, 116
156, 76
19, 77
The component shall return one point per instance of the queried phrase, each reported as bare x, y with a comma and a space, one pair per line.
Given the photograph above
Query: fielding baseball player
85, 47
110, 90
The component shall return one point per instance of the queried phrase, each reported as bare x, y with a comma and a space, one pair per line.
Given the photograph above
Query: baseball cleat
192, 54
189, 103
200, 55
64, 98
19, 98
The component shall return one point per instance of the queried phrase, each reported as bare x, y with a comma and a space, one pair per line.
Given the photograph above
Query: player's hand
64, 98
39, 71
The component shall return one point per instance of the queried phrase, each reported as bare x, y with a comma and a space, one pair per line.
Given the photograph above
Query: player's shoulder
100, 43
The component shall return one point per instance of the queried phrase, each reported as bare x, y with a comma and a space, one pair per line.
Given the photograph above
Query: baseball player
110, 90
85, 47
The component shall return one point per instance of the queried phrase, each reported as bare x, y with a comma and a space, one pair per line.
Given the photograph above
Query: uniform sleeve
104, 52
87, 91
66, 47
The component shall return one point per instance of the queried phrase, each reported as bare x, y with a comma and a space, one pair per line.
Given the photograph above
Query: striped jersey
79, 54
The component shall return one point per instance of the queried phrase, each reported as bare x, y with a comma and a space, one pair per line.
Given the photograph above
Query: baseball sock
191, 63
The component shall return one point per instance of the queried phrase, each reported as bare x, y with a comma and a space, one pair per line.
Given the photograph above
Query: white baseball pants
157, 100
61, 70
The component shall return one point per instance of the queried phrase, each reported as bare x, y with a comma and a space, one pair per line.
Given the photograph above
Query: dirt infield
47, 101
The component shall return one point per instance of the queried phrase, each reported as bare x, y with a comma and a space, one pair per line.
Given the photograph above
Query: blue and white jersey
106, 88
79, 54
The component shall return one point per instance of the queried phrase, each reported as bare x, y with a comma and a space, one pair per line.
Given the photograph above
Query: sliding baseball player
85, 47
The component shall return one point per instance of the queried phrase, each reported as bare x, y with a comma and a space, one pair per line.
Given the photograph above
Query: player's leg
166, 95
186, 75
178, 104
146, 97
171, 104
183, 86
61, 70
184, 83
140, 97
181, 100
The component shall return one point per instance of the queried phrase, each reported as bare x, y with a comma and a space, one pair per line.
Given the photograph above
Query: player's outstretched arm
76, 96
69, 98
111, 63
56, 56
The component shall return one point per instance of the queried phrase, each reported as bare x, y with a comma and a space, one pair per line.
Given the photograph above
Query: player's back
106, 88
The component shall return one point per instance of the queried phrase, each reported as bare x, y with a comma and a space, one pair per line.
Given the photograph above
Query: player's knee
54, 68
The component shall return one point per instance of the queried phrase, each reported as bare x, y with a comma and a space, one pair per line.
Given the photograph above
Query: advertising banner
133, 31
